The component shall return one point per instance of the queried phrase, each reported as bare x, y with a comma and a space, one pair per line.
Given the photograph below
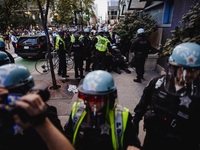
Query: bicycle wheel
70, 63
42, 66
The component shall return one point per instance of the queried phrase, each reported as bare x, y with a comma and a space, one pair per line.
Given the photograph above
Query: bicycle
42, 66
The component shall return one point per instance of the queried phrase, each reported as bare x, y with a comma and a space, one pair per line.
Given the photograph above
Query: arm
54, 139
131, 140
34, 106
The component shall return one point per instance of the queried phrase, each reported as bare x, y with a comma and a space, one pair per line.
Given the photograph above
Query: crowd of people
169, 104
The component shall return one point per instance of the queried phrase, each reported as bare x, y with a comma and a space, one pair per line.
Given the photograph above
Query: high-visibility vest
101, 45
118, 118
81, 38
58, 38
72, 38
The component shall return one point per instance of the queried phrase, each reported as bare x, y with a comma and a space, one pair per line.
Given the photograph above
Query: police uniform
171, 122
87, 43
118, 135
61, 50
78, 48
141, 46
102, 47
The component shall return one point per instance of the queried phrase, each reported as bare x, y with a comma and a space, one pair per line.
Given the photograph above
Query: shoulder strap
118, 122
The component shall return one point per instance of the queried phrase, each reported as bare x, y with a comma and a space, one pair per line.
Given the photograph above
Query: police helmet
2, 44
60, 32
50, 32
182, 77
87, 30
98, 87
76, 35
140, 31
101, 31
16, 78
4, 59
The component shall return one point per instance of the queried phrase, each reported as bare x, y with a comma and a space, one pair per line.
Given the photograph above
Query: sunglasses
92, 98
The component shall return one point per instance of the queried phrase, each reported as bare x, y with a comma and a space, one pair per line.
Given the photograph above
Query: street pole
27, 12
81, 15
44, 22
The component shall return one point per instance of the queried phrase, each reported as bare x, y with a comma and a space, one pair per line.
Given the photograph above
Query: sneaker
59, 74
137, 80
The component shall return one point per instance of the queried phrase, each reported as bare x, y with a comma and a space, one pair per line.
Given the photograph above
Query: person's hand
34, 106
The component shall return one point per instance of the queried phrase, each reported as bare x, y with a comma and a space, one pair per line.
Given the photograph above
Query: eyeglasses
92, 98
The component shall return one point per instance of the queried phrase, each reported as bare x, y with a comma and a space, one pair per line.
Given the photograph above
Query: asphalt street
129, 92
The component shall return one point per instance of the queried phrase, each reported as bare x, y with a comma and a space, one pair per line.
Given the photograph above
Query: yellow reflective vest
58, 38
118, 118
72, 38
101, 44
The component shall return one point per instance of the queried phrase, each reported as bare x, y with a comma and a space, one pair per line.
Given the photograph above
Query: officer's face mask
183, 81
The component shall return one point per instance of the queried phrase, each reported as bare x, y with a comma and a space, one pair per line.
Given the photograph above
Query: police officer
96, 121
87, 43
67, 39
101, 48
170, 104
79, 50
17, 81
141, 46
61, 50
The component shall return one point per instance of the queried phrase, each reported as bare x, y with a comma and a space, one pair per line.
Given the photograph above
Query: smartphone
12, 97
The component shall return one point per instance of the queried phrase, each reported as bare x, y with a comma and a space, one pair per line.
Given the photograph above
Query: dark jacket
141, 45
78, 48
168, 122
30, 140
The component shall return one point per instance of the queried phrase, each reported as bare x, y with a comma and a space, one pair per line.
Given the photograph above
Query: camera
9, 109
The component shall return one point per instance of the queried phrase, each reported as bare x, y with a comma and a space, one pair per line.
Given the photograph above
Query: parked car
31, 46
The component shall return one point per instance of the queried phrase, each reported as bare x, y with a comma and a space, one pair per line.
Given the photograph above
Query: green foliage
188, 31
19, 20
128, 27
66, 9
7, 7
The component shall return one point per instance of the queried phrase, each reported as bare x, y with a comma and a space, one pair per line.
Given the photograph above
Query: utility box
151, 62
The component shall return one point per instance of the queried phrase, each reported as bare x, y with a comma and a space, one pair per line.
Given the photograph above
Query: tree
7, 7
68, 9
128, 27
188, 31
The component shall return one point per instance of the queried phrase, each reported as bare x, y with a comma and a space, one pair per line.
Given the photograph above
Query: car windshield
29, 41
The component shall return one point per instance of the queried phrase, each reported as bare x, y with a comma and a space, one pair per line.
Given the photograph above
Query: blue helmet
100, 31
16, 78
98, 92
183, 70
98, 83
2, 44
186, 54
4, 59
87, 30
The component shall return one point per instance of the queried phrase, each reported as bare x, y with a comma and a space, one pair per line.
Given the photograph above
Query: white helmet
140, 31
